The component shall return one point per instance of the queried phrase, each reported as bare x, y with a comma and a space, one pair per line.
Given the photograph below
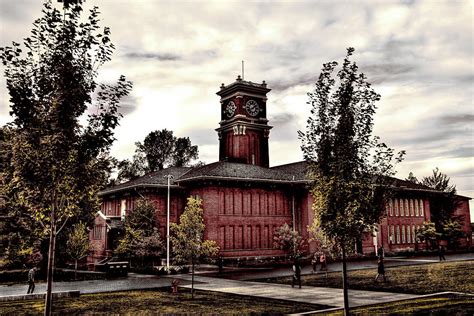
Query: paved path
133, 282
337, 266
314, 295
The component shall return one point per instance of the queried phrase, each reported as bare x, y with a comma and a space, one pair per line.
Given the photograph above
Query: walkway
313, 295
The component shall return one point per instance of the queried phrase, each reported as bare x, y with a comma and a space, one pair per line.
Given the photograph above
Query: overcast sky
417, 54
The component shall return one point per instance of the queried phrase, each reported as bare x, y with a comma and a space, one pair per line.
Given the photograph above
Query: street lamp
168, 225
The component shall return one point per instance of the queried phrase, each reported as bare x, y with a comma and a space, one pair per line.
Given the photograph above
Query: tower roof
242, 85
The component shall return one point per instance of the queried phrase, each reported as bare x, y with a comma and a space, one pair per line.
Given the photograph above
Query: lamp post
168, 225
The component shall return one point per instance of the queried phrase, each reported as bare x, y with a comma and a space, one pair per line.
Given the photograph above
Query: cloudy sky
417, 54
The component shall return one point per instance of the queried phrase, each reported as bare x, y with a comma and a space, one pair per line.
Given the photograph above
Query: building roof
292, 173
237, 172
153, 179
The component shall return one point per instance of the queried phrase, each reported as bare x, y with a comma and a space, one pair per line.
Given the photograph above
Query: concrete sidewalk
133, 282
313, 295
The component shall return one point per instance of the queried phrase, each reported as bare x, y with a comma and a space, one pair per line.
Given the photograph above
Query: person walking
296, 274
315, 262
380, 269
441, 253
31, 280
324, 266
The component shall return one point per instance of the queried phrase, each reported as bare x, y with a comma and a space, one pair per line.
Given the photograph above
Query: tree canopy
58, 151
160, 149
187, 237
348, 165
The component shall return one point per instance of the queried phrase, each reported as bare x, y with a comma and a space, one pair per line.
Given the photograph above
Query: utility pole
168, 225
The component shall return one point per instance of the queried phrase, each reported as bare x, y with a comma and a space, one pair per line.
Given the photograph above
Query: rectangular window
413, 233
391, 238
412, 211
403, 234
409, 235
398, 234
396, 207
402, 208
422, 208
407, 209
390, 207
417, 213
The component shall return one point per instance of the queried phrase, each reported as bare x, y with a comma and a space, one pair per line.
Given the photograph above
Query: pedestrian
380, 269
31, 280
441, 253
220, 264
324, 266
296, 274
315, 262
381, 252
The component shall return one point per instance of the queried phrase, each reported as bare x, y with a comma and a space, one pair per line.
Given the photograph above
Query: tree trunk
49, 277
75, 269
192, 279
344, 281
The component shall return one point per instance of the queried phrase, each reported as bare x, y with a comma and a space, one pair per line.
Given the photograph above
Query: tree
427, 233
162, 148
348, 166
442, 204
289, 240
141, 237
187, 238
57, 162
452, 231
412, 178
78, 244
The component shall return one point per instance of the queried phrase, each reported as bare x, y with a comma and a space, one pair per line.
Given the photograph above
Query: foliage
443, 204
57, 162
452, 231
412, 178
349, 167
159, 149
322, 242
289, 240
78, 242
141, 238
187, 237
427, 232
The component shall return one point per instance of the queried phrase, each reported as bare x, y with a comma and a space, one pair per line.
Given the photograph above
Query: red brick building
244, 200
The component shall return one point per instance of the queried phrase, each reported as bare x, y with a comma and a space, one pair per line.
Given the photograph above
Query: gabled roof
224, 170
153, 179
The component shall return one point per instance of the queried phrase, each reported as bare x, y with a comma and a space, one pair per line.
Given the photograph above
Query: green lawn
139, 302
415, 279
440, 305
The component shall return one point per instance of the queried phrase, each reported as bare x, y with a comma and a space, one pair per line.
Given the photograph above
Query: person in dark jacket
441, 253
31, 280
296, 274
380, 269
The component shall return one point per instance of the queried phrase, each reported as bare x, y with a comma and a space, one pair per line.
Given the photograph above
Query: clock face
230, 109
252, 107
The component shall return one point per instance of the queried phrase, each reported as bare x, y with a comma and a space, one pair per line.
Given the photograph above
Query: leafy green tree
427, 233
443, 204
187, 238
289, 240
162, 148
322, 242
78, 244
412, 178
452, 231
57, 162
349, 167
141, 239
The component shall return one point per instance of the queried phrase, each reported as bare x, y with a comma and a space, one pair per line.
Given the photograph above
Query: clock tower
243, 132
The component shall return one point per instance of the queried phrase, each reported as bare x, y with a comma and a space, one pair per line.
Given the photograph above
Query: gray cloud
153, 56
457, 119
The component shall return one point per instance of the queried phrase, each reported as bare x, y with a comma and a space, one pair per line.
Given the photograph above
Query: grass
439, 305
416, 279
162, 302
